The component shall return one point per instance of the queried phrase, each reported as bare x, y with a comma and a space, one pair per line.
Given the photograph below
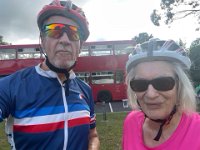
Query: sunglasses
56, 30
160, 84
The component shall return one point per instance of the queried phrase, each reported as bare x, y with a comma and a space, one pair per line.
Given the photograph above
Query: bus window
28, 53
123, 49
7, 54
101, 50
104, 77
83, 76
103, 67
119, 76
84, 51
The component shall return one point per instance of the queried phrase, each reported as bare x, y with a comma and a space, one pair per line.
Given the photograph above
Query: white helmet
156, 49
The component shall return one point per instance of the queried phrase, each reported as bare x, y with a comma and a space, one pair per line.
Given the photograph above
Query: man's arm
94, 143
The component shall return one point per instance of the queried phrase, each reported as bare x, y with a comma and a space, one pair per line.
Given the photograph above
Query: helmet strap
163, 122
59, 70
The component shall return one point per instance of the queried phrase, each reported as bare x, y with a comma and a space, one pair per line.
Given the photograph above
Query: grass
109, 130
3, 139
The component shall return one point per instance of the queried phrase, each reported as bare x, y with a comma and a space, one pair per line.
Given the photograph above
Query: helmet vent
68, 5
151, 46
56, 3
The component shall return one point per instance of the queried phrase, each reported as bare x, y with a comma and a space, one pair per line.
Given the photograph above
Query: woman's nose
151, 91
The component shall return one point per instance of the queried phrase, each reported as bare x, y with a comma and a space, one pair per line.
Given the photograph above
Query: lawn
110, 130
109, 127
3, 139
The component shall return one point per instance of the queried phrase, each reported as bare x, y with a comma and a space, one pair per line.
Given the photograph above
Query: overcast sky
108, 20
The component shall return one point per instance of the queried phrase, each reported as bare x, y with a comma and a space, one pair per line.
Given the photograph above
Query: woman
163, 99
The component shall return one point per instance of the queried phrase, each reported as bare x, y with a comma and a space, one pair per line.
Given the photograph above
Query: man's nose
64, 38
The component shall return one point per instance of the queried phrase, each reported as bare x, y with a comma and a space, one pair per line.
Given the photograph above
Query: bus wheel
104, 96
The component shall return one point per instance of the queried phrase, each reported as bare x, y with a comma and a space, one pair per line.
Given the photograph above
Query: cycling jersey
43, 113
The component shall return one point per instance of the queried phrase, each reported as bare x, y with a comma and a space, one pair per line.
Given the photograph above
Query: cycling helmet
156, 49
68, 10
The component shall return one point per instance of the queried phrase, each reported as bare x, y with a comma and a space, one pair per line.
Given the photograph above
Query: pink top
185, 137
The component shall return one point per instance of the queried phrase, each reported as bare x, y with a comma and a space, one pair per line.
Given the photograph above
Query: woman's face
156, 104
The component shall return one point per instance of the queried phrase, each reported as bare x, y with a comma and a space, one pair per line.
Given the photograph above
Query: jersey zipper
65, 114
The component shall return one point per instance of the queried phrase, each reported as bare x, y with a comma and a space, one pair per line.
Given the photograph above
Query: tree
172, 10
195, 43
194, 56
182, 44
142, 37
2, 42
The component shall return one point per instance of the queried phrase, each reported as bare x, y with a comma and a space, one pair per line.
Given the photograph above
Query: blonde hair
186, 94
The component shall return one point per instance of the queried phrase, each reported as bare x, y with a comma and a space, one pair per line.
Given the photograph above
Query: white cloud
109, 20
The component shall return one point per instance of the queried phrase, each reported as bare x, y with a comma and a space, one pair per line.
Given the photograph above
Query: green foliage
195, 43
172, 10
2, 42
195, 58
182, 44
142, 37
155, 18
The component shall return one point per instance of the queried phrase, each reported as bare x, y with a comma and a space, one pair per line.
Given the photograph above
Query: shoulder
19, 75
82, 84
192, 119
11, 84
196, 117
83, 87
133, 123
133, 117
190, 125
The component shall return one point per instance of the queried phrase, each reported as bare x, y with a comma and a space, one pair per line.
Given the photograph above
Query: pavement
119, 106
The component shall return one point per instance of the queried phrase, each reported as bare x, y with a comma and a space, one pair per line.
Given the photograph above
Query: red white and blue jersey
44, 114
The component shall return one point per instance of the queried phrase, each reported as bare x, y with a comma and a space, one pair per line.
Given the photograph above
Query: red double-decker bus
101, 64
15, 57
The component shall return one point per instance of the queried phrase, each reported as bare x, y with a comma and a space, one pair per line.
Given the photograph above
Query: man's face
62, 51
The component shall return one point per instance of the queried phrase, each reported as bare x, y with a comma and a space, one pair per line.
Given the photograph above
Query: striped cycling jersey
43, 113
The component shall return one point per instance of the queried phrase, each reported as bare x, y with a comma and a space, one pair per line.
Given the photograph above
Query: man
47, 106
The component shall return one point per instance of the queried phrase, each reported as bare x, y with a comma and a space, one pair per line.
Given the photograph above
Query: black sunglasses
160, 84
